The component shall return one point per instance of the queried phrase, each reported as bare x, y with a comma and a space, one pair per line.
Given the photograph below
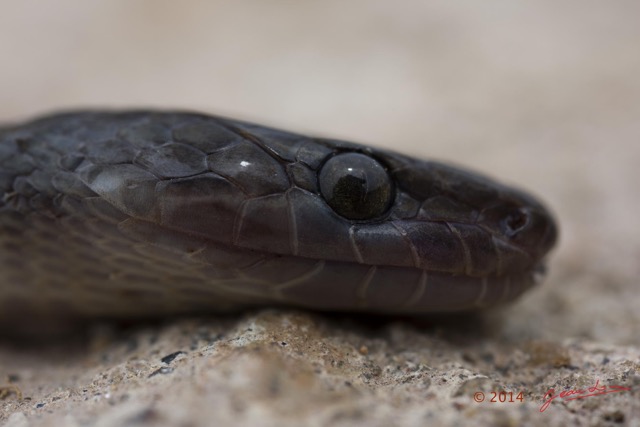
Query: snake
144, 213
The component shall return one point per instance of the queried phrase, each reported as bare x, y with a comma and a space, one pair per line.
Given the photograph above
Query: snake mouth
393, 290
539, 272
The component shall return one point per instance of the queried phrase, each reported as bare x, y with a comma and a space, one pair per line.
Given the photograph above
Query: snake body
146, 213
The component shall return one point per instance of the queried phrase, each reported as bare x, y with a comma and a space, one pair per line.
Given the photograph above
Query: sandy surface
545, 95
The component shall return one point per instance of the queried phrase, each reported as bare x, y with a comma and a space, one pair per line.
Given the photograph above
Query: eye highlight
355, 186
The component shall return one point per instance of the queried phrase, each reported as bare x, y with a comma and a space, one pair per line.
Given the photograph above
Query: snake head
256, 188
153, 213
286, 209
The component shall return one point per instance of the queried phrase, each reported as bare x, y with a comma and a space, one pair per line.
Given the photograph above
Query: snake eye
355, 186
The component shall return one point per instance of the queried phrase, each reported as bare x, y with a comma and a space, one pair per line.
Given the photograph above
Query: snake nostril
515, 221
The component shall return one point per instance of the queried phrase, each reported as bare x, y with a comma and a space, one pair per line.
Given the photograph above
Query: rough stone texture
542, 94
287, 368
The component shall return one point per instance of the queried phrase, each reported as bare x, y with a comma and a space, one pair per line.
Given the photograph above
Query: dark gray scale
250, 168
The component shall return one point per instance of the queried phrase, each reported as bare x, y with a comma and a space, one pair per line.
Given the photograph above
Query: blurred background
542, 94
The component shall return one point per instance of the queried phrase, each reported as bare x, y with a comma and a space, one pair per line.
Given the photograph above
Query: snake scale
147, 213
